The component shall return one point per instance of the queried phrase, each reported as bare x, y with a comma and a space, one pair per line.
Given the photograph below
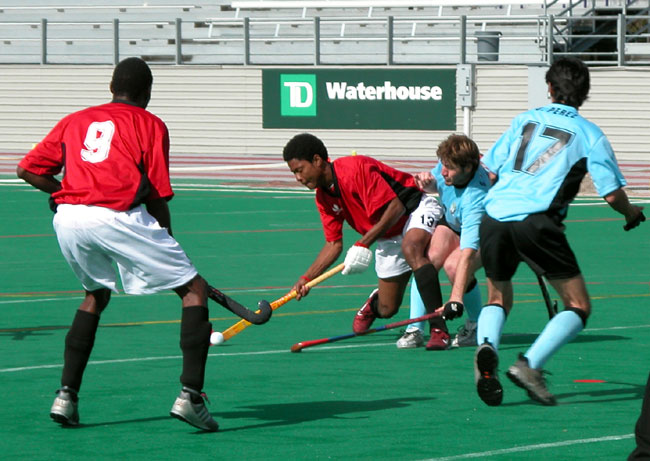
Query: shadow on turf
284, 414
281, 414
529, 338
18, 334
632, 392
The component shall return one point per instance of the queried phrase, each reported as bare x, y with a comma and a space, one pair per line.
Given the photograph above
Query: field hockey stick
262, 315
315, 342
243, 324
551, 306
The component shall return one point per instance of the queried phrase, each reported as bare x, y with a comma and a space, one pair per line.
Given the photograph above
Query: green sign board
360, 99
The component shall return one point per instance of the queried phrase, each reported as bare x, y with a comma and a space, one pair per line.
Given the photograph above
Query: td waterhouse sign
365, 99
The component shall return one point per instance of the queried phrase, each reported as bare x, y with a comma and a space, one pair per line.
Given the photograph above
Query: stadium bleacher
296, 31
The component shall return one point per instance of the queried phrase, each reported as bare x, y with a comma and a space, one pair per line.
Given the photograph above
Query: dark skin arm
159, 209
46, 183
391, 215
328, 254
332, 250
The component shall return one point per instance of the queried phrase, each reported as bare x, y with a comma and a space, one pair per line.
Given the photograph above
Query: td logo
298, 95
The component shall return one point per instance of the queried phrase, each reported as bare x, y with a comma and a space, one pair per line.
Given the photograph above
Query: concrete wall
217, 111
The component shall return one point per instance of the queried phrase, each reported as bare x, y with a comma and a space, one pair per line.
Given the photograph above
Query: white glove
357, 260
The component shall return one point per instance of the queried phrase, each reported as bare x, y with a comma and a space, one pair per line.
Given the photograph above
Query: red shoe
439, 340
365, 316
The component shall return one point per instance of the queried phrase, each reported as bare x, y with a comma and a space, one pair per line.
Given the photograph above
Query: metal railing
321, 41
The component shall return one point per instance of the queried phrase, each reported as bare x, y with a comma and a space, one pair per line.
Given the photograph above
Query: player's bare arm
468, 263
391, 215
619, 201
46, 183
326, 257
159, 209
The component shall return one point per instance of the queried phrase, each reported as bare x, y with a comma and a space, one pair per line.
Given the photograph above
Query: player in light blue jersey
461, 184
538, 164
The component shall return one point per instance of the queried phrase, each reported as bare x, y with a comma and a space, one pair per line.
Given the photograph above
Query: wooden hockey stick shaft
315, 342
243, 324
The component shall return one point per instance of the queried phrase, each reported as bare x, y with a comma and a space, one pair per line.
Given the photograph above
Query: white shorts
94, 240
389, 259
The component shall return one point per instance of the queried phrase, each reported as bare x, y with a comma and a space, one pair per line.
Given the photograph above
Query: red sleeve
156, 160
332, 223
46, 158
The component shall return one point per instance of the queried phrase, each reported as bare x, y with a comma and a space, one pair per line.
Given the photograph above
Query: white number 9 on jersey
98, 141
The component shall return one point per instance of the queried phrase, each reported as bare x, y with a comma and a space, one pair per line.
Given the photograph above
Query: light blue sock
417, 307
472, 303
490, 324
561, 329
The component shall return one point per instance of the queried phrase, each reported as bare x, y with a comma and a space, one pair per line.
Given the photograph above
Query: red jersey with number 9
115, 155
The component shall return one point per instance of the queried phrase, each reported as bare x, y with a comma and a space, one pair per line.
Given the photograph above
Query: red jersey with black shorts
137, 169
362, 189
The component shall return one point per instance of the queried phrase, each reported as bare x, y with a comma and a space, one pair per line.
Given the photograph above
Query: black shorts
443, 222
538, 240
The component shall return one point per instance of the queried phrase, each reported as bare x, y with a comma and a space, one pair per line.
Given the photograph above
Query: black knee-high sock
642, 429
79, 344
428, 284
195, 342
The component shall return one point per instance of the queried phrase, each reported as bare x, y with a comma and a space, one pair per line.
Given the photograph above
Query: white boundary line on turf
179, 357
539, 446
237, 354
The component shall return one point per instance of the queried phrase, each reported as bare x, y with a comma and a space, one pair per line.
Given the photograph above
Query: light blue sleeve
469, 236
603, 168
473, 210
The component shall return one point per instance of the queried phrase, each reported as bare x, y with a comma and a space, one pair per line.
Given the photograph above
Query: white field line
539, 446
236, 354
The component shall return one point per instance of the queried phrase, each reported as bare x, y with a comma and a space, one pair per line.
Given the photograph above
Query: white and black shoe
410, 339
65, 407
486, 363
190, 407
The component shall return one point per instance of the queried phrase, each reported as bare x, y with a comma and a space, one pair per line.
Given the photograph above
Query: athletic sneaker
466, 335
411, 339
531, 380
190, 407
486, 362
64, 409
365, 316
438, 341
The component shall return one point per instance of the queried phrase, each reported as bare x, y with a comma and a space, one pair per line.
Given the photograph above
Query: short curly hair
304, 146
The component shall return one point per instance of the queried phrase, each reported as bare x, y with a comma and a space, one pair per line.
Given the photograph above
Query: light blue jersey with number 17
541, 160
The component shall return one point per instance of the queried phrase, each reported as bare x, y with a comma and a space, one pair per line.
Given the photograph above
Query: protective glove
452, 310
357, 259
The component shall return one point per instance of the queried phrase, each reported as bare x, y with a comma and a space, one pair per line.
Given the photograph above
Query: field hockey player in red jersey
388, 210
111, 208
